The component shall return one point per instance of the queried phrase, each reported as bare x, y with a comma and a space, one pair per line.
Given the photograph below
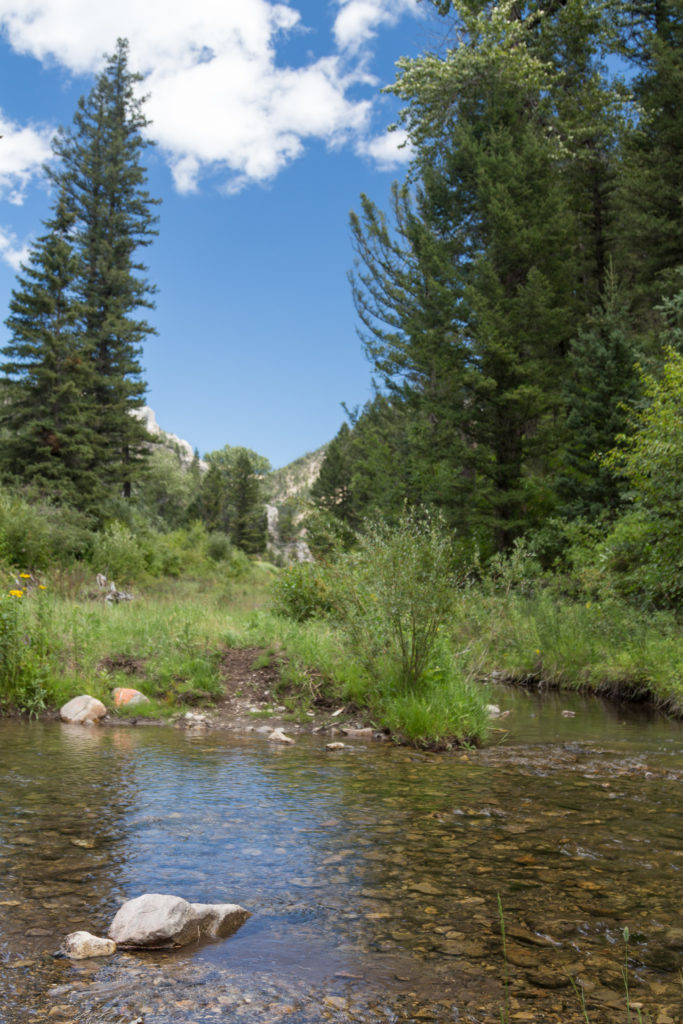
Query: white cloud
219, 99
10, 251
23, 151
389, 150
358, 20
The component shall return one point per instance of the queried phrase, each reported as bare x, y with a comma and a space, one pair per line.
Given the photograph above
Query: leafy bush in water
301, 592
393, 594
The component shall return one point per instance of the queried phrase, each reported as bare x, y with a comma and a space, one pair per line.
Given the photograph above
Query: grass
58, 641
607, 648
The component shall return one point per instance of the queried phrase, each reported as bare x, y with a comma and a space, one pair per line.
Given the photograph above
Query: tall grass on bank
606, 647
368, 640
169, 645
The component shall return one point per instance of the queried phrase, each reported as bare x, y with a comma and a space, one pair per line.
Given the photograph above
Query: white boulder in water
82, 710
159, 921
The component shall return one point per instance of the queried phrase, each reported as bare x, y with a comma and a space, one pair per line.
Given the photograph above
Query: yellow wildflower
588, 604
24, 575
537, 651
17, 593
41, 586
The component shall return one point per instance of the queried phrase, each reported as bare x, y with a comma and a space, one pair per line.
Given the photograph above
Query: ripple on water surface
373, 876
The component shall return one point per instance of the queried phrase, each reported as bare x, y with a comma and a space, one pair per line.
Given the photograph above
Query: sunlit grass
169, 640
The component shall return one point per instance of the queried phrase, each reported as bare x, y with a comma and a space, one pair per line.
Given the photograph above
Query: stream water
373, 874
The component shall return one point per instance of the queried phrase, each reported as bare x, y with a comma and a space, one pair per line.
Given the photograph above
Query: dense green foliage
72, 367
525, 267
232, 496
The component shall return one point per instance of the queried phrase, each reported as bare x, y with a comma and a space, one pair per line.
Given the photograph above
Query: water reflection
373, 876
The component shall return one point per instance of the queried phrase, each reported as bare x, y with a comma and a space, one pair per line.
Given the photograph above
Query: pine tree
331, 490
488, 251
498, 252
103, 180
46, 413
246, 509
651, 230
602, 382
72, 364
232, 499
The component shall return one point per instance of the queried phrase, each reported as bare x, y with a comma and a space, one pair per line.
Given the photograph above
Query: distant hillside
288, 491
292, 483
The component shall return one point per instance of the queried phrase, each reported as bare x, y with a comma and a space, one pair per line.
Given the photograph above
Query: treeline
521, 301
80, 473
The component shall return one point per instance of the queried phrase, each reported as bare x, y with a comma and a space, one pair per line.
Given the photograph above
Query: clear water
373, 874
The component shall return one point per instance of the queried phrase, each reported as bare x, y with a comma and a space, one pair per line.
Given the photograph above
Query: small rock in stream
278, 736
83, 945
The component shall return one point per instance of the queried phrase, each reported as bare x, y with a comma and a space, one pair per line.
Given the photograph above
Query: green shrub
518, 569
36, 534
644, 561
394, 593
301, 592
218, 547
117, 553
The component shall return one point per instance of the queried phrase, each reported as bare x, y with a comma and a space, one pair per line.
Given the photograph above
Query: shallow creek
372, 873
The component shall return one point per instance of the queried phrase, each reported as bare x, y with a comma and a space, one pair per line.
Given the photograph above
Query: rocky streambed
372, 875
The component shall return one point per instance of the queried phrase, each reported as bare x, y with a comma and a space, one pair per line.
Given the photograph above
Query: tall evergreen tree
485, 303
493, 267
246, 508
651, 230
104, 180
77, 304
46, 413
602, 381
232, 499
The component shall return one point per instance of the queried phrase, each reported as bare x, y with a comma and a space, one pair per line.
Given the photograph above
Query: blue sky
269, 123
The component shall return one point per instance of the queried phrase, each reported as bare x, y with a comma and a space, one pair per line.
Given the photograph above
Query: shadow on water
372, 874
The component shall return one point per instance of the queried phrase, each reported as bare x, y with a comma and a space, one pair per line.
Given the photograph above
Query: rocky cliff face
293, 482
290, 489
176, 444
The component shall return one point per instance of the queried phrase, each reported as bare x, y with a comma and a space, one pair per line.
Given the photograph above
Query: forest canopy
522, 293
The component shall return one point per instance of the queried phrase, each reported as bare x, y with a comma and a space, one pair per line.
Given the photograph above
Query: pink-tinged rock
126, 695
83, 945
159, 921
82, 709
